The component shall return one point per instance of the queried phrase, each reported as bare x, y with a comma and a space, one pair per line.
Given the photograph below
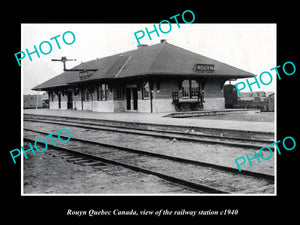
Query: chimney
162, 41
142, 46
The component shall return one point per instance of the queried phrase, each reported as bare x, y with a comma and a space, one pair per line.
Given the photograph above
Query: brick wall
166, 88
213, 89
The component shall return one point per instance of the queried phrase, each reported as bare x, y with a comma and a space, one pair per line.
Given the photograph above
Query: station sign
204, 68
84, 75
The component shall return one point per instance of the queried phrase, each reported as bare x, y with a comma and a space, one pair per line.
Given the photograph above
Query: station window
185, 89
85, 94
52, 95
76, 92
102, 92
146, 90
98, 93
194, 89
119, 92
190, 89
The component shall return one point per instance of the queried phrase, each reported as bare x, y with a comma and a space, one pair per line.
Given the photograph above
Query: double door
70, 100
131, 98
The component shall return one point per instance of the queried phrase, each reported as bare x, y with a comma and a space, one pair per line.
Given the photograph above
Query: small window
102, 92
98, 93
76, 92
146, 91
194, 89
119, 92
185, 89
84, 94
87, 94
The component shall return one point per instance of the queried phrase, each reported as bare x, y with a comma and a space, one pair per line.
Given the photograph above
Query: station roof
162, 59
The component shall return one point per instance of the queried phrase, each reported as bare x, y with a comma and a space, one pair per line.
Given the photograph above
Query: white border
118, 194
22, 116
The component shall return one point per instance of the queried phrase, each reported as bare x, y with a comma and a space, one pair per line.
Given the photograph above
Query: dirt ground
49, 173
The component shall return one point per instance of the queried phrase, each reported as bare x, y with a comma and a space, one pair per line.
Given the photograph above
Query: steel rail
84, 120
173, 158
156, 133
196, 186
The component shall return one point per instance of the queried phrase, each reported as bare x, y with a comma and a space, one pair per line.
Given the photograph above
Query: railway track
200, 176
188, 135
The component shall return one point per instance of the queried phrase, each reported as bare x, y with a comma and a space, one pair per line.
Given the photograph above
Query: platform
160, 119
211, 113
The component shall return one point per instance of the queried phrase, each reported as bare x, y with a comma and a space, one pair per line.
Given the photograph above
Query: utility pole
36, 102
64, 60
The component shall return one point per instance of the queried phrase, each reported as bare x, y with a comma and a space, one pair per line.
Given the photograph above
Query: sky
251, 47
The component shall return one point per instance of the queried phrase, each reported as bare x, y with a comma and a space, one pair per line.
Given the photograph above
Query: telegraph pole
64, 60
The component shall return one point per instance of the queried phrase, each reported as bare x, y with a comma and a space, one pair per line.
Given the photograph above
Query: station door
131, 98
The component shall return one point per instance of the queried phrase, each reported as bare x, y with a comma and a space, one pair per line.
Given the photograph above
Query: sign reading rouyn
204, 68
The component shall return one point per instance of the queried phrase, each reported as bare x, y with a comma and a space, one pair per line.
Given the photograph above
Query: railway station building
157, 78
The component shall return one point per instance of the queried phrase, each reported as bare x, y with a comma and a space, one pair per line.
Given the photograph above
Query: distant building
35, 101
258, 99
257, 96
271, 102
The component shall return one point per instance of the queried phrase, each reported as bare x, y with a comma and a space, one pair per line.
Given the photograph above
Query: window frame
191, 89
102, 92
146, 97
119, 92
